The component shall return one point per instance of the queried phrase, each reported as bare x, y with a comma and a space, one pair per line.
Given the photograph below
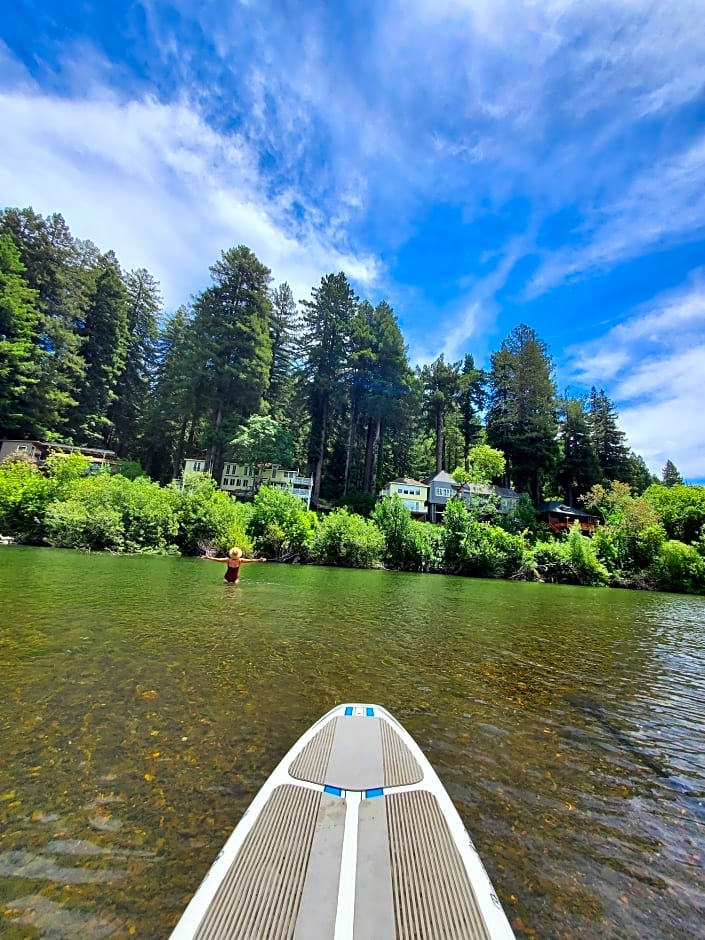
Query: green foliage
73, 523
350, 541
680, 508
586, 566
485, 465
477, 548
607, 439
104, 336
132, 469
521, 417
280, 525
553, 563
361, 503
24, 495
670, 475
521, 518
441, 385
679, 568
393, 520
579, 468
263, 440
19, 321
205, 514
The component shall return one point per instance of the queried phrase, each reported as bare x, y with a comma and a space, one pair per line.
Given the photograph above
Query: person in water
233, 560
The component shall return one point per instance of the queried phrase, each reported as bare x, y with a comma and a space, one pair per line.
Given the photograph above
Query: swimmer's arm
245, 561
212, 558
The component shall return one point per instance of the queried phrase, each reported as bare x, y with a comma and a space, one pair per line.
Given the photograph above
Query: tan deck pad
261, 894
357, 753
433, 897
374, 909
319, 900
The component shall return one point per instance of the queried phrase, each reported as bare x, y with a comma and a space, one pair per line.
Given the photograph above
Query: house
239, 479
560, 517
245, 479
499, 499
39, 450
441, 488
411, 492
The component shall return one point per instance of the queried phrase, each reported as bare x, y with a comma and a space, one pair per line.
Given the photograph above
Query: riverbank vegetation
91, 358
652, 541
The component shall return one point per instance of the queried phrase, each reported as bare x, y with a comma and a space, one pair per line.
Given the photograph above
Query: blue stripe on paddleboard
335, 791
370, 712
348, 710
375, 791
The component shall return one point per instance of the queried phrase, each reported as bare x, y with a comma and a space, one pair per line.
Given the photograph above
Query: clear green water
143, 703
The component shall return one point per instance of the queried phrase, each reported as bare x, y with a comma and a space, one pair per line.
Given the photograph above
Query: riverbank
645, 543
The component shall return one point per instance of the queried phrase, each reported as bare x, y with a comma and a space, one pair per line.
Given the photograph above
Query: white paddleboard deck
353, 837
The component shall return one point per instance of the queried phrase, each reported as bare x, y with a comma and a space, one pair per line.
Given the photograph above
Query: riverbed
143, 703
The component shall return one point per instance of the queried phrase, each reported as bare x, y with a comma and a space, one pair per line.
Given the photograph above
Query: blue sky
478, 163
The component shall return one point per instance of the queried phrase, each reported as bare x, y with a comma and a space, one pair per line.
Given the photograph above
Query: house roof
408, 480
557, 506
441, 477
506, 492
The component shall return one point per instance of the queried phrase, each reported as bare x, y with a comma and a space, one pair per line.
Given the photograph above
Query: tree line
88, 356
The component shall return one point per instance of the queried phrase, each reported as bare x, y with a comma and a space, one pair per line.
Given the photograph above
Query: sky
477, 163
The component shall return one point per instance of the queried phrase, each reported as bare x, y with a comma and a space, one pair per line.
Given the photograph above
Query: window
22, 447
197, 464
443, 491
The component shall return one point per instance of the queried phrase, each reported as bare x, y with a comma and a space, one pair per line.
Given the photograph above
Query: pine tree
441, 382
126, 414
55, 270
283, 329
327, 319
170, 406
521, 418
471, 401
19, 319
607, 439
231, 327
104, 346
670, 475
579, 468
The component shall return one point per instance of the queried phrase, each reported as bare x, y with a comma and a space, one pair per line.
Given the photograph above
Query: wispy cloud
652, 365
158, 184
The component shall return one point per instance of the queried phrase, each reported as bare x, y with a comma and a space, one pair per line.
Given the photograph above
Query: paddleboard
352, 837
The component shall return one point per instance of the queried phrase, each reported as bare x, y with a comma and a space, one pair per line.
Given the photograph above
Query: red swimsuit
232, 573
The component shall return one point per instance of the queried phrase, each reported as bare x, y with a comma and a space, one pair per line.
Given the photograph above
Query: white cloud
654, 363
157, 184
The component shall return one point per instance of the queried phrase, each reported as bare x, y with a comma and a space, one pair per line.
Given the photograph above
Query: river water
143, 703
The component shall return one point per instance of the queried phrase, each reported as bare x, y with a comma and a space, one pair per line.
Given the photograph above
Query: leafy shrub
25, 493
679, 567
280, 524
587, 568
480, 549
205, 514
553, 562
681, 509
71, 523
393, 520
347, 540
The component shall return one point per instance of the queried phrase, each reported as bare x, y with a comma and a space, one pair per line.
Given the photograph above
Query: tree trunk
179, 455
215, 451
348, 453
321, 451
371, 450
439, 440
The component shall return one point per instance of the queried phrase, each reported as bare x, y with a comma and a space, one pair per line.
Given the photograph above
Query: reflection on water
143, 703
